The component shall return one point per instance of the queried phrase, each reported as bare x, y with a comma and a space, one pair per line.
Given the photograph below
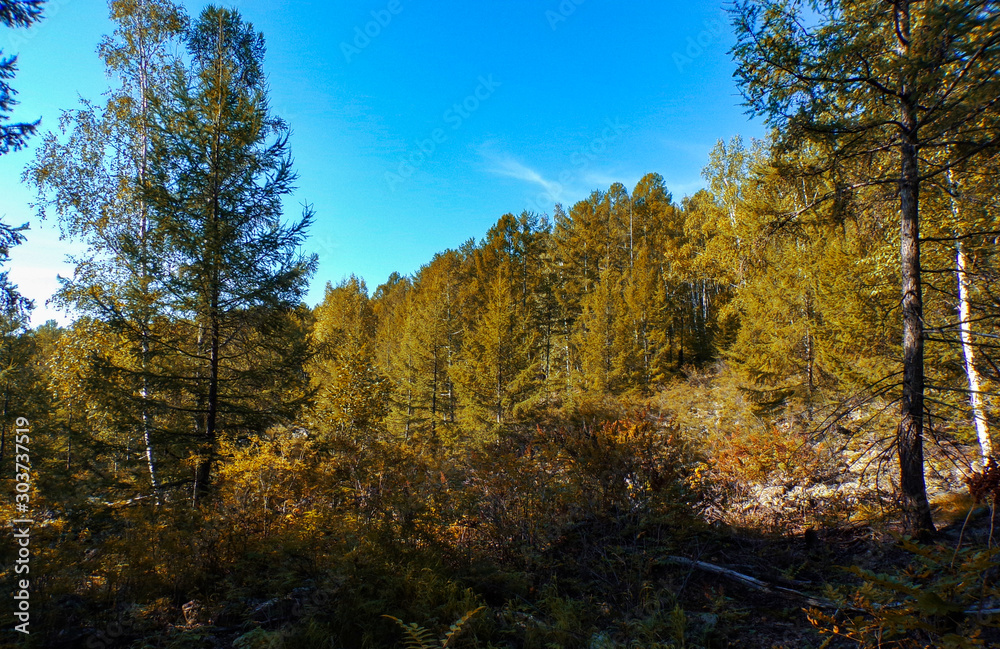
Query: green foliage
417, 637
932, 602
13, 137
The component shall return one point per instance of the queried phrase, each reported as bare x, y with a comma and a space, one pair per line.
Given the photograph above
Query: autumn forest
760, 415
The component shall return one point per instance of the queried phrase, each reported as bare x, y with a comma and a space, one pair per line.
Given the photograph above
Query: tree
498, 375
964, 242
865, 81
807, 298
431, 344
352, 396
92, 175
12, 303
391, 304
219, 168
14, 13
501, 359
13, 137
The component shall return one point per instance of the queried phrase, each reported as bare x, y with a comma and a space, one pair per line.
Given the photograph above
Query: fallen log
763, 586
756, 584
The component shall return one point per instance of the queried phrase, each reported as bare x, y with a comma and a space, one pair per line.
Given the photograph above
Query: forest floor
600, 585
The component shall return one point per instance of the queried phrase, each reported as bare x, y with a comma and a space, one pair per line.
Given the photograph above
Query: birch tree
92, 175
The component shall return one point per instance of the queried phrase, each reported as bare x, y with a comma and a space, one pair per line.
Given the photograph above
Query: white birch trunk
968, 350
969, 355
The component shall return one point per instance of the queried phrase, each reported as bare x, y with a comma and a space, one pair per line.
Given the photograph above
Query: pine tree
219, 169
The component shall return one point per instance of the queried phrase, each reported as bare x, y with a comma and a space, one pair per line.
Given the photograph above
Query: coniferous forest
756, 416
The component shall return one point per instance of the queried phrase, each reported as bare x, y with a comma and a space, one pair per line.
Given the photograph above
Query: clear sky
417, 124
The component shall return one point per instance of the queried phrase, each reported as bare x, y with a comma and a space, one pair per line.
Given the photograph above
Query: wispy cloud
580, 176
503, 164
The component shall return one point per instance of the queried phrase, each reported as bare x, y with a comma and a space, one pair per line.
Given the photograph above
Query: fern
417, 637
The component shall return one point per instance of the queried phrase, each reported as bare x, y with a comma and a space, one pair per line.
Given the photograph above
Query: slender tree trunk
968, 350
969, 354
434, 393
499, 376
909, 441
147, 435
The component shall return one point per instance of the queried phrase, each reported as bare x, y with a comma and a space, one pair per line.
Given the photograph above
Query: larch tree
879, 86
219, 169
351, 394
498, 375
432, 342
392, 303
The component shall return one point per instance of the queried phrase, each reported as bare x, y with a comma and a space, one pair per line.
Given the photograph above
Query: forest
757, 416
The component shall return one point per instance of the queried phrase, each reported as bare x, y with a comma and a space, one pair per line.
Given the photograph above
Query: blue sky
416, 124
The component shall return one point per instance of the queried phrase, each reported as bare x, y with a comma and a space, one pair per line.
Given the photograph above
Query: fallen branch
756, 584
818, 602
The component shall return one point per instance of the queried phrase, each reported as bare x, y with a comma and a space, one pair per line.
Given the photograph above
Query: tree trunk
204, 471
969, 355
147, 436
968, 351
147, 433
434, 392
910, 434
916, 509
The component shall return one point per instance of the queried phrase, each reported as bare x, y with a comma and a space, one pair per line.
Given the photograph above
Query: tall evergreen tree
13, 137
432, 343
219, 169
864, 79
351, 394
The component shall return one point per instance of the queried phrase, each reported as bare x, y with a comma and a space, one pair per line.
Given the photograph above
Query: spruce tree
13, 137
14, 13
